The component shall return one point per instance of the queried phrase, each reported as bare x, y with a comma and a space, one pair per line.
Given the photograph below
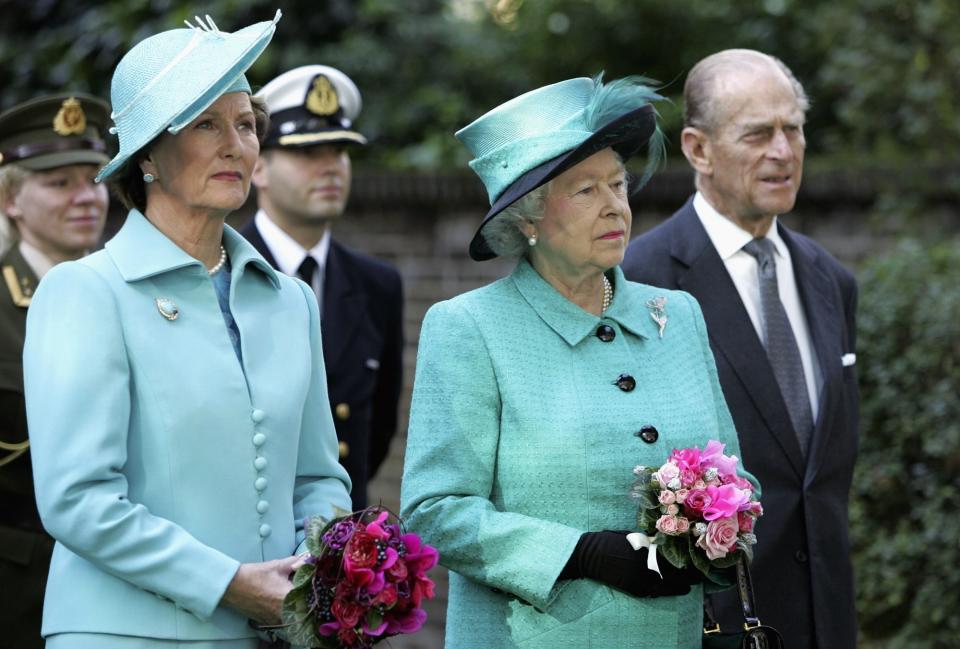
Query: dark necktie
307, 270
782, 349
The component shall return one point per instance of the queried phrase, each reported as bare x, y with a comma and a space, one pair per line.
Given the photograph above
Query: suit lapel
252, 234
825, 325
343, 305
731, 332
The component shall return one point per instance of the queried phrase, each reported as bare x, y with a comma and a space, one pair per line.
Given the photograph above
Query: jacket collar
140, 250
572, 323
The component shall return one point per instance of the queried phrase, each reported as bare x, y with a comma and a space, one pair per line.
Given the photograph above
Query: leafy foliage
906, 490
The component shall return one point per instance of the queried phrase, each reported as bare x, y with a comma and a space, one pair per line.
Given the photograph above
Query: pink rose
683, 525
682, 495
667, 497
696, 501
720, 538
699, 484
667, 525
667, 472
688, 477
746, 522
673, 510
725, 501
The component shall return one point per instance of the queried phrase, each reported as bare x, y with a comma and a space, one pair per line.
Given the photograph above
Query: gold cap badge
70, 119
322, 98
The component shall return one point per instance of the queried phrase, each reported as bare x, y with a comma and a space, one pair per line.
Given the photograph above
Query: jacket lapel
825, 325
253, 235
343, 305
731, 332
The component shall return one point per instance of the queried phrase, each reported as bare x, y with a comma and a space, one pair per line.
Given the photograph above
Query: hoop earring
149, 178
532, 241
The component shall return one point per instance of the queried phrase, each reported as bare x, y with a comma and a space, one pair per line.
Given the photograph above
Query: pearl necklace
213, 270
607, 294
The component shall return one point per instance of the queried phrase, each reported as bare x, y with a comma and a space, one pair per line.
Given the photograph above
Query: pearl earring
532, 241
148, 178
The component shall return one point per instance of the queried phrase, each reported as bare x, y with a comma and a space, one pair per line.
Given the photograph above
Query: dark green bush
905, 505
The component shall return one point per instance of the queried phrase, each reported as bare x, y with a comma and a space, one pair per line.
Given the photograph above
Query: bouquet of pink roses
696, 509
364, 580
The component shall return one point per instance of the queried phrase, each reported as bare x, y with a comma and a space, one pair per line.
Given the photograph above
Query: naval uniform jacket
520, 441
801, 571
162, 462
362, 330
24, 547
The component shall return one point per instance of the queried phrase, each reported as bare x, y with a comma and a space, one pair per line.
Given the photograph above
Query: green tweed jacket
520, 440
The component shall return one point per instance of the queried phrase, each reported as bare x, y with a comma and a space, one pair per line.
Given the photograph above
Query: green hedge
905, 505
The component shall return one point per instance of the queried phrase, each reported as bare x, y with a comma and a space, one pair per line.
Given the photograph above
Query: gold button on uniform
344, 450
342, 411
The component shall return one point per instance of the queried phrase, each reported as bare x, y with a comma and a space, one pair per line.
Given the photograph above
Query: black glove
609, 558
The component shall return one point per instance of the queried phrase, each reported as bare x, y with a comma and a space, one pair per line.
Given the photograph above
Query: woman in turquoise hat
174, 381
536, 396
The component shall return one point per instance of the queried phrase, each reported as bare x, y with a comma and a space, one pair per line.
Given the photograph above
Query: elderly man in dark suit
780, 313
303, 182
50, 150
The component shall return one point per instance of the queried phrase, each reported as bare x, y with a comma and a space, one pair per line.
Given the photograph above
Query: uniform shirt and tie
732, 244
292, 259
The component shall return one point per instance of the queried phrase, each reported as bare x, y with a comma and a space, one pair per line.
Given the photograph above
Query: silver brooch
658, 311
168, 309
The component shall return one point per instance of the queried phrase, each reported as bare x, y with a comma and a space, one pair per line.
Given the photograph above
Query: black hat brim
627, 135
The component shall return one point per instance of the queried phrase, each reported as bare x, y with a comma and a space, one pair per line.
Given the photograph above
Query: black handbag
754, 634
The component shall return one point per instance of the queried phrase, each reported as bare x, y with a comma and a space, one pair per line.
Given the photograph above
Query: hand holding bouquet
696, 509
364, 580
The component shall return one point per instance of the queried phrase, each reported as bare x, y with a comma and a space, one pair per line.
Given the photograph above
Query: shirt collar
38, 262
286, 251
140, 250
728, 237
568, 320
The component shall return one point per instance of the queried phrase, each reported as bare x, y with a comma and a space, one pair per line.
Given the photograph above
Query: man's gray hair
699, 91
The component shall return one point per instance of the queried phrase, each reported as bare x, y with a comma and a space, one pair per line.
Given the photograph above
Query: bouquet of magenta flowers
696, 509
363, 580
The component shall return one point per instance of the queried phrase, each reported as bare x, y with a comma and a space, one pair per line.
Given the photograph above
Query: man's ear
260, 175
697, 149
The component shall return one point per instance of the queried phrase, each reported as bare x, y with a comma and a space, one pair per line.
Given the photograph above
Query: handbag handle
747, 602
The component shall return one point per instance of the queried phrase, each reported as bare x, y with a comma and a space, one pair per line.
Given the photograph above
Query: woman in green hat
174, 381
537, 395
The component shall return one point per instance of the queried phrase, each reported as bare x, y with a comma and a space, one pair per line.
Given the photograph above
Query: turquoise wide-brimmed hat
168, 79
524, 143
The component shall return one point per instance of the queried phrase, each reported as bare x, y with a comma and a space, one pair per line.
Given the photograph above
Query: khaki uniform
24, 547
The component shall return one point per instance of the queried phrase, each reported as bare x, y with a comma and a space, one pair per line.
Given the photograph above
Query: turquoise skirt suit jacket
161, 461
520, 441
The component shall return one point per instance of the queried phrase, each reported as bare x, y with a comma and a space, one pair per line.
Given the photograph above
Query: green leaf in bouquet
699, 558
647, 520
671, 548
646, 500
304, 574
315, 529
727, 561
374, 618
295, 614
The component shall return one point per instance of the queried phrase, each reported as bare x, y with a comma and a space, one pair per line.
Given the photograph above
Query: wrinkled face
756, 151
586, 221
303, 186
61, 211
208, 165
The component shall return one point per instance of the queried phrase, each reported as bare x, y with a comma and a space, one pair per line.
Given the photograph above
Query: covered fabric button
257, 416
342, 411
264, 531
344, 449
649, 434
263, 506
260, 463
260, 484
259, 439
625, 382
606, 333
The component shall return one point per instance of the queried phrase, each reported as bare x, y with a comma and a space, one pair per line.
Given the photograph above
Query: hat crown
540, 112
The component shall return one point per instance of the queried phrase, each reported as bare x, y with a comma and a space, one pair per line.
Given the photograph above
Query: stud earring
148, 178
532, 241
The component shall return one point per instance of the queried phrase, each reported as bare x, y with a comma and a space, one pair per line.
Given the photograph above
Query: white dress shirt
289, 254
729, 238
38, 262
